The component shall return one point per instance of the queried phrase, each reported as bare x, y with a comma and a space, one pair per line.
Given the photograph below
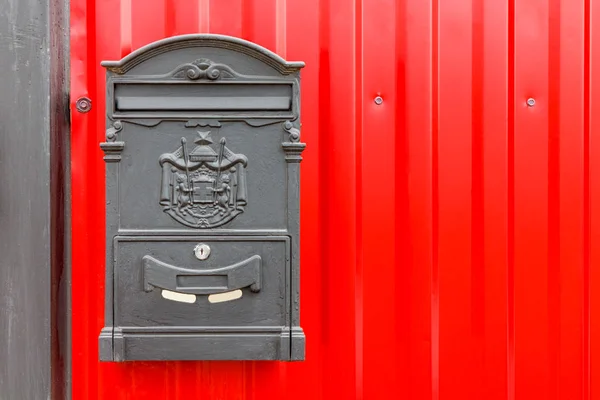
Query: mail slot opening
145, 97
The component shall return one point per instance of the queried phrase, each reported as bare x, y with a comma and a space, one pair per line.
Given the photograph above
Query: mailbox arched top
203, 40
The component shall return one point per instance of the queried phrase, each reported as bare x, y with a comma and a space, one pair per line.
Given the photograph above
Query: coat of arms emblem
204, 187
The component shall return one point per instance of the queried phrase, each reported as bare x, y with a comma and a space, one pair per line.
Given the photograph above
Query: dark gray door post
33, 139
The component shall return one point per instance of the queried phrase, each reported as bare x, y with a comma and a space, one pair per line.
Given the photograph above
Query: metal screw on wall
378, 100
531, 102
83, 104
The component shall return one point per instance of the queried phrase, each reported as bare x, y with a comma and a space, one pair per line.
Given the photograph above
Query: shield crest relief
203, 187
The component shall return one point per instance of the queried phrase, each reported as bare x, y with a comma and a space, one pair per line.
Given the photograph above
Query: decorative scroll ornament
113, 148
293, 148
204, 187
294, 132
203, 69
111, 133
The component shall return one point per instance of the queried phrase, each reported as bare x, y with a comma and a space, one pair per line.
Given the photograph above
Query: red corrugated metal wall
451, 235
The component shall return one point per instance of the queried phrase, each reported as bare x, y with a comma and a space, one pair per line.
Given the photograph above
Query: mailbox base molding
215, 343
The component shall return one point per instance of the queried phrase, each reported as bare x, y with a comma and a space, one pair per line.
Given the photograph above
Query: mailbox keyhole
202, 251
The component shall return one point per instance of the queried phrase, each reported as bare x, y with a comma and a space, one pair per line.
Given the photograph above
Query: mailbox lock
202, 251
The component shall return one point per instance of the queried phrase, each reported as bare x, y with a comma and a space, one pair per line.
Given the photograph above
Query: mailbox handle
202, 282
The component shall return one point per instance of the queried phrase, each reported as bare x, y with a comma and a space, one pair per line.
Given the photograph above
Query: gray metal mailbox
202, 159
